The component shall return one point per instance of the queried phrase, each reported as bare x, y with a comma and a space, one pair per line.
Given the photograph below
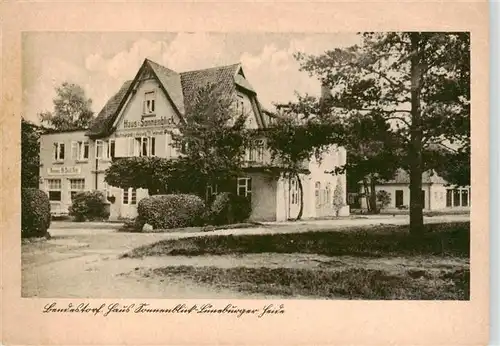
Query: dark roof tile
180, 87
222, 77
106, 116
171, 81
402, 177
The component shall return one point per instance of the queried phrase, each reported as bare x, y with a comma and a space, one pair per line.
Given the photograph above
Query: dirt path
87, 266
81, 260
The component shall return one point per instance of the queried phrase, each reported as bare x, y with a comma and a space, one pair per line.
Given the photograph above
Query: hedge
171, 211
35, 213
228, 208
89, 205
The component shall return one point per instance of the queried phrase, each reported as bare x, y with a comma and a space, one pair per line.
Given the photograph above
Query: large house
134, 122
437, 193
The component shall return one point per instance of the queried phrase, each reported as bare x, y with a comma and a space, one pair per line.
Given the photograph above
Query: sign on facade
148, 123
60, 170
143, 133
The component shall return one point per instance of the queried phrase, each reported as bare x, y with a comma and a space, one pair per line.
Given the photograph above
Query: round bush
229, 208
89, 205
35, 213
170, 211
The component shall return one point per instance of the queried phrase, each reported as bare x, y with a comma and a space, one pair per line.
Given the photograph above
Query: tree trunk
367, 195
373, 196
301, 192
415, 149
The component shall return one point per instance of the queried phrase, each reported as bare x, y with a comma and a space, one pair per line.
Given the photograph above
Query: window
465, 198
399, 198
125, 196
456, 198
144, 146
244, 187
329, 200
449, 197
133, 196
111, 148
80, 150
317, 191
76, 186
130, 196
54, 188
101, 149
59, 151
256, 152
423, 199
294, 190
149, 102
212, 190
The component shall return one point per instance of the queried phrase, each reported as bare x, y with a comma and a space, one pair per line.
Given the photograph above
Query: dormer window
149, 103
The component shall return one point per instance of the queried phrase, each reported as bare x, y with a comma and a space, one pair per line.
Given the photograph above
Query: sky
101, 62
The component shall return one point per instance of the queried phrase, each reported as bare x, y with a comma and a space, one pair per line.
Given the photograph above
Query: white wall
430, 202
134, 108
331, 159
251, 121
263, 197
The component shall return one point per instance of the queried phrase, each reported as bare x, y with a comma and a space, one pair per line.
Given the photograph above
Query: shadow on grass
354, 283
447, 239
130, 227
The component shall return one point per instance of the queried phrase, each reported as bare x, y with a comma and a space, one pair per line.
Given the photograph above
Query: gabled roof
171, 81
181, 88
428, 177
222, 76
106, 116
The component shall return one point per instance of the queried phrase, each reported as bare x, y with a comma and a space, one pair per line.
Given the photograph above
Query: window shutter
169, 146
105, 149
160, 145
121, 147
74, 150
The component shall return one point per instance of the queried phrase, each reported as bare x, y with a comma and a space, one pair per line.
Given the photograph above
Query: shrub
170, 211
338, 197
89, 205
383, 199
229, 208
35, 213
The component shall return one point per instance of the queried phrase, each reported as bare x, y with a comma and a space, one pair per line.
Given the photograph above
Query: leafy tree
453, 164
419, 82
72, 109
152, 173
212, 139
30, 149
373, 153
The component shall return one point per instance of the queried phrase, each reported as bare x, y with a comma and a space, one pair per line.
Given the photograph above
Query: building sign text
64, 170
148, 123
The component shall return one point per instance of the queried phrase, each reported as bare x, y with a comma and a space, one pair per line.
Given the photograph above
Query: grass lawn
353, 283
391, 248
449, 239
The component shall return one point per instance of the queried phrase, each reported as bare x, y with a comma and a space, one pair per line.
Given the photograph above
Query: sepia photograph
208, 165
